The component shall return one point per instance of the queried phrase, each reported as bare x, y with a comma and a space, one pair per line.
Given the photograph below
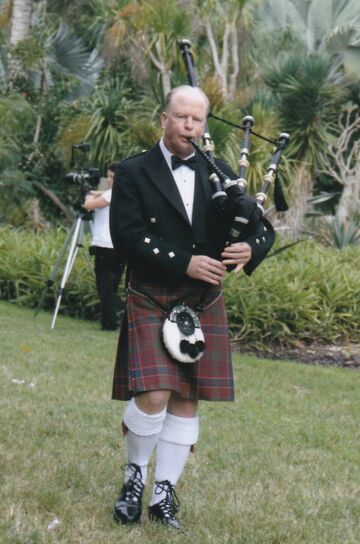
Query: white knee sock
177, 437
142, 435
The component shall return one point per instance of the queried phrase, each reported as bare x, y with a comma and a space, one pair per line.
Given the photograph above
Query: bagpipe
230, 197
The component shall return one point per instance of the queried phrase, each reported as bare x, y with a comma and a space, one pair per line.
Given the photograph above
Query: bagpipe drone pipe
230, 197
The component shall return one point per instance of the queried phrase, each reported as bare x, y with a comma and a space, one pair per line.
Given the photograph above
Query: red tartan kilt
144, 364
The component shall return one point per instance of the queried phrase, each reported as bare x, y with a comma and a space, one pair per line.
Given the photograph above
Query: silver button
257, 241
147, 240
156, 250
171, 254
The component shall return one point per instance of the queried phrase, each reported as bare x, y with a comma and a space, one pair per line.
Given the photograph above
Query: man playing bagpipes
174, 347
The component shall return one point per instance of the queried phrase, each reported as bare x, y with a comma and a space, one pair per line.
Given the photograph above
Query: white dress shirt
184, 178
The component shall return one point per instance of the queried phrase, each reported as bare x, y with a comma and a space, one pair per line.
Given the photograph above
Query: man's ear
163, 119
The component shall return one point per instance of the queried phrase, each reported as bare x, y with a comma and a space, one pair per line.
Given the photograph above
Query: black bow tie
176, 162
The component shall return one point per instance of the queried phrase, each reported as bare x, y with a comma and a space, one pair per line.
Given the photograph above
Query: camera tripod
74, 240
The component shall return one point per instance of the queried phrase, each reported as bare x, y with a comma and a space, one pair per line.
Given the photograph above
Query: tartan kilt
144, 364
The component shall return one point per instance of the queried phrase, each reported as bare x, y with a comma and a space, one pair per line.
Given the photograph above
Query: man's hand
237, 254
206, 269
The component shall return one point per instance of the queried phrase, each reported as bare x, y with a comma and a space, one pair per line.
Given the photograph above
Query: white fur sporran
182, 334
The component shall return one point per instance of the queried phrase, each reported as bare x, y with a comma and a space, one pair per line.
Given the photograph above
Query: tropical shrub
308, 292
27, 272
331, 231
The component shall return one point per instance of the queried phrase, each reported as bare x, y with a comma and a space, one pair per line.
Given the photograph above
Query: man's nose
189, 123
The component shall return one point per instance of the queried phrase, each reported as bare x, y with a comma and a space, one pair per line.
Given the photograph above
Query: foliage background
98, 71
308, 292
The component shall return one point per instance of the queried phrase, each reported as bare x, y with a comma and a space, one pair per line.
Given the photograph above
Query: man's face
185, 118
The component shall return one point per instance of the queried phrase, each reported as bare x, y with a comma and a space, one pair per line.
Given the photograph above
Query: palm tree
308, 95
108, 130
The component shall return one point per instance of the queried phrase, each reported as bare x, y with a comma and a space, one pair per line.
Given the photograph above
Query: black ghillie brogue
165, 510
128, 505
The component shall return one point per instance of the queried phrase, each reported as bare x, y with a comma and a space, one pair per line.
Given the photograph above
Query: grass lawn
279, 465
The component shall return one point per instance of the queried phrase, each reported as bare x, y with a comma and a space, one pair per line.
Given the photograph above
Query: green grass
280, 465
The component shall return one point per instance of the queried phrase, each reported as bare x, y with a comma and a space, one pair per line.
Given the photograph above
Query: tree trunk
220, 70
345, 166
302, 190
160, 64
234, 62
69, 216
20, 27
20, 20
166, 81
349, 203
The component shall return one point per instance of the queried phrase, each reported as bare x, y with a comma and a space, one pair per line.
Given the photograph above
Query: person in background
109, 264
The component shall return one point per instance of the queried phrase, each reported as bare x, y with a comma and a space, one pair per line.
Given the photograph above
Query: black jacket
148, 219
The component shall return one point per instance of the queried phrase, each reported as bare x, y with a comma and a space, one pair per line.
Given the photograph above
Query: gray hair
170, 95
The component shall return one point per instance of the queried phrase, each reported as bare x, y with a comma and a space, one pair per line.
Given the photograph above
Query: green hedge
306, 293
28, 261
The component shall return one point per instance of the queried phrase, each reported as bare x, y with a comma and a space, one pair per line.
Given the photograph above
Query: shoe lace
134, 485
170, 504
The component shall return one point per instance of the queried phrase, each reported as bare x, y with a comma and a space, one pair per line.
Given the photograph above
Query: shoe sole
125, 520
155, 519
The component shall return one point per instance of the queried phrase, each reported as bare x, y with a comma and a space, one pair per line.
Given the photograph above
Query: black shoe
128, 505
165, 510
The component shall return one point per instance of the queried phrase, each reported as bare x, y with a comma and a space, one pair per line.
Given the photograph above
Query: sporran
182, 334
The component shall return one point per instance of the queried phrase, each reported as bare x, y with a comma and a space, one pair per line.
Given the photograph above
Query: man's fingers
238, 253
231, 252
238, 268
218, 270
211, 265
205, 268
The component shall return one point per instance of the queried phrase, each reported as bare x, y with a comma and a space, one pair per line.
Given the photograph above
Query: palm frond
352, 61
346, 11
330, 25
70, 54
340, 38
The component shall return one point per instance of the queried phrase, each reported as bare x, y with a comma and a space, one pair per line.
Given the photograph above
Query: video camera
89, 177
86, 178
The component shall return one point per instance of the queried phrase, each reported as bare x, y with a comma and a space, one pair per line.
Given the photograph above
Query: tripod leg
74, 247
55, 268
87, 254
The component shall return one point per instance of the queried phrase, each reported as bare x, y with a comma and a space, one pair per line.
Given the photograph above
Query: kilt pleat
144, 364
